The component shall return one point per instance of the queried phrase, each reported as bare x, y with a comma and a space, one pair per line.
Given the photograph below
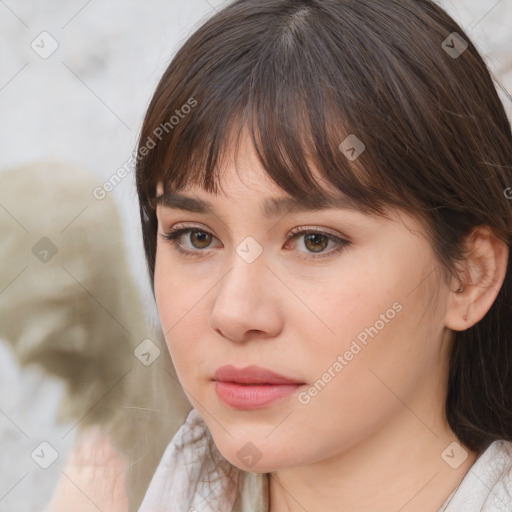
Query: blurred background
75, 80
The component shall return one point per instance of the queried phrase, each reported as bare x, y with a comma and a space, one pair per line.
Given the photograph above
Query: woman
322, 195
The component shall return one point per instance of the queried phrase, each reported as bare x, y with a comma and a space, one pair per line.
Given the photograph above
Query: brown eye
189, 241
200, 239
312, 243
193, 241
316, 242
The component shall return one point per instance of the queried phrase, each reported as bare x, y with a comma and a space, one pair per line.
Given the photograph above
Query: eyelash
172, 235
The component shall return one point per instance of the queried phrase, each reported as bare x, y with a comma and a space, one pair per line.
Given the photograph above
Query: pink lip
252, 387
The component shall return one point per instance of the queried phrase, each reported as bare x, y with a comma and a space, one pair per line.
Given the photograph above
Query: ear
481, 278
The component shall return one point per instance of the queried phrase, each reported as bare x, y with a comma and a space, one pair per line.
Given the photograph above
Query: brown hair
304, 75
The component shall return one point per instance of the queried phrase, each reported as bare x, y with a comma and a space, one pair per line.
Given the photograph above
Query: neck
398, 468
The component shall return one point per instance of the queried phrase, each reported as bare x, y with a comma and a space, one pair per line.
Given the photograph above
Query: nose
247, 303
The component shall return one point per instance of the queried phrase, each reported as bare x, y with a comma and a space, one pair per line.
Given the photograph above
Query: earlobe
482, 275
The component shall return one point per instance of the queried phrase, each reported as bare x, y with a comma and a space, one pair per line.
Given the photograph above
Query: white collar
487, 486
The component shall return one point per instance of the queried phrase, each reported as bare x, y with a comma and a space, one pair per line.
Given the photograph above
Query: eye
200, 239
315, 241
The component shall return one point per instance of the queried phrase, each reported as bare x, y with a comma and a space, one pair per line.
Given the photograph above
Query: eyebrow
271, 207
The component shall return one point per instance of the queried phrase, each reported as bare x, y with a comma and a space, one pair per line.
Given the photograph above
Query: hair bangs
301, 133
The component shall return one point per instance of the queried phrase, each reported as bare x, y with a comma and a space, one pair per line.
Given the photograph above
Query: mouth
252, 387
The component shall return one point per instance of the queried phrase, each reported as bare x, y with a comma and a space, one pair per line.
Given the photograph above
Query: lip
251, 375
252, 387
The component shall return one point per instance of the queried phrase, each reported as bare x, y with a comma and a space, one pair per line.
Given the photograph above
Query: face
343, 310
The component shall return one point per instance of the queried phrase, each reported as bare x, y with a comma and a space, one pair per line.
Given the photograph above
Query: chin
263, 465
256, 457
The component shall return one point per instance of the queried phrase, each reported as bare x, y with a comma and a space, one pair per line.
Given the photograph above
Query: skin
379, 424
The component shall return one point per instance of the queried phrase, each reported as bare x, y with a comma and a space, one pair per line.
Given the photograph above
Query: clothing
194, 477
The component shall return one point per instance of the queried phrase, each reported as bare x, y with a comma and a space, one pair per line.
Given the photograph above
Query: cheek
384, 348
351, 374
175, 295
335, 310
366, 326
180, 307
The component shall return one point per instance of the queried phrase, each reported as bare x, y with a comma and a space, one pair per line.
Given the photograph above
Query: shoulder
487, 487
497, 469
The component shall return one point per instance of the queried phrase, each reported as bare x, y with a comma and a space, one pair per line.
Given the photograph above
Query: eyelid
173, 233
298, 229
319, 229
340, 241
